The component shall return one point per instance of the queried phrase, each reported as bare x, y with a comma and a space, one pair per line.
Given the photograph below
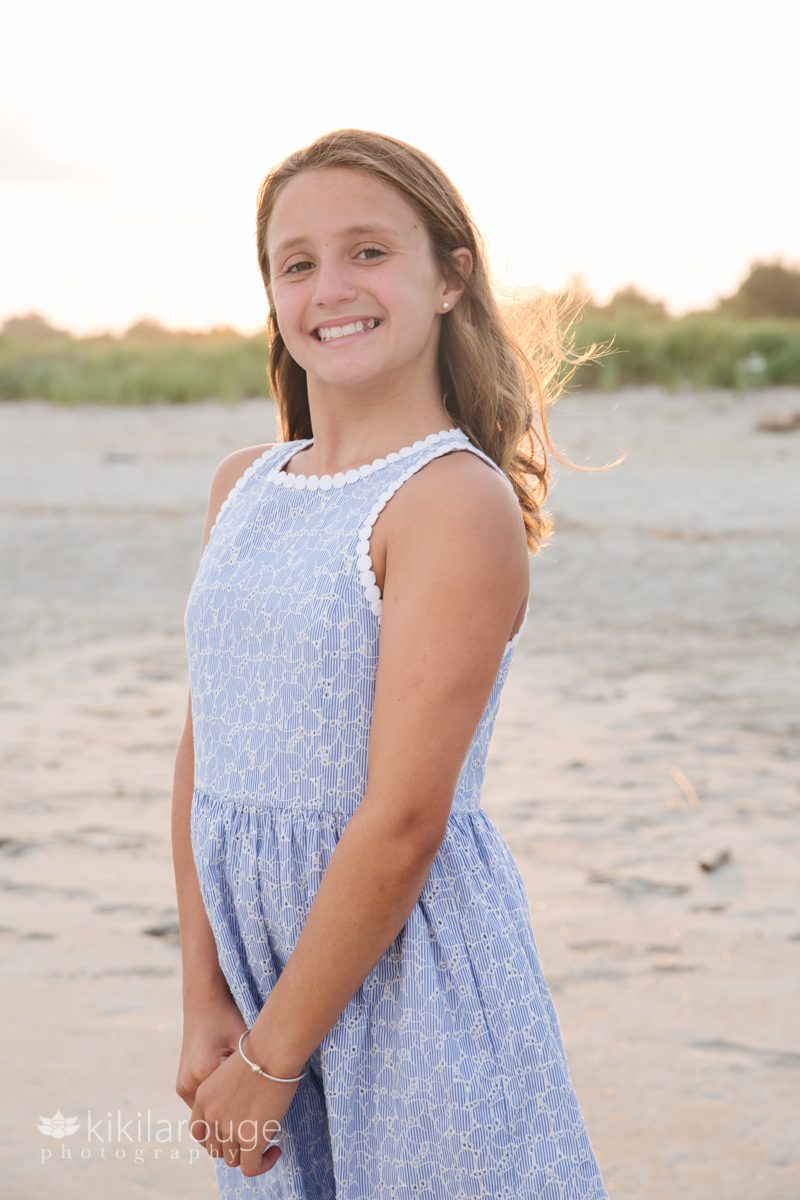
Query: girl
365, 1014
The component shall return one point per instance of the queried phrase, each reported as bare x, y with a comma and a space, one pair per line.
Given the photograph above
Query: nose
333, 282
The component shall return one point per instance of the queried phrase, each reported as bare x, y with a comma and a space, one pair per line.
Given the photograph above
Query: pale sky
626, 142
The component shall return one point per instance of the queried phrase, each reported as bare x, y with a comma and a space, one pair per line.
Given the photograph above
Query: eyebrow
350, 231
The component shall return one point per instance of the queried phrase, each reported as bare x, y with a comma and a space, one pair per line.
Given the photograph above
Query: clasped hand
237, 1113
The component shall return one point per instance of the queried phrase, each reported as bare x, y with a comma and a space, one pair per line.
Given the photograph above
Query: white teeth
326, 333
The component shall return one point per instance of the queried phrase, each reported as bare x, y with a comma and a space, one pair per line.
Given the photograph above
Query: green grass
698, 351
175, 369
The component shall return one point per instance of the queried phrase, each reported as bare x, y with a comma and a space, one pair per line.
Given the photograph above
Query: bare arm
455, 579
203, 980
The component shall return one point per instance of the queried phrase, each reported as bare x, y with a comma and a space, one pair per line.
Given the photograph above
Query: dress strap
366, 574
486, 458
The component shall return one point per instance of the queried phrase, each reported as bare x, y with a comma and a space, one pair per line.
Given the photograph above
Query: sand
650, 720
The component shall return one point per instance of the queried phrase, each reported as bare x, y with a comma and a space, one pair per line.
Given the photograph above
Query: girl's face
355, 286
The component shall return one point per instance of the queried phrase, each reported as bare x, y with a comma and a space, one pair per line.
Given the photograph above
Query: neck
350, 430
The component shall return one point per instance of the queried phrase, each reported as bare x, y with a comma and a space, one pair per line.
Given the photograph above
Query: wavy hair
498, 363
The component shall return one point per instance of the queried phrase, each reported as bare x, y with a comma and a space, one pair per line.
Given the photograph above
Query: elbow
415, 833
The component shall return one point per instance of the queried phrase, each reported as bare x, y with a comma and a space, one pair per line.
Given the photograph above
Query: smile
329, 333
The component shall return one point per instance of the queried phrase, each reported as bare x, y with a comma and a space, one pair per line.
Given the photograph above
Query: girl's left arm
456, 576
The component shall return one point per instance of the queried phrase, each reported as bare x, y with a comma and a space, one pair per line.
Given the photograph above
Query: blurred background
644, 768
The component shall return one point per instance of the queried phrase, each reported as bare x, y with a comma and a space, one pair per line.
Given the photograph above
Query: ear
456, 279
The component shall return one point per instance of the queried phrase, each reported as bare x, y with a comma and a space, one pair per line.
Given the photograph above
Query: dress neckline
354, 474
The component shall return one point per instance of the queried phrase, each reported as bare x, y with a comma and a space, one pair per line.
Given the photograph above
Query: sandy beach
649, 724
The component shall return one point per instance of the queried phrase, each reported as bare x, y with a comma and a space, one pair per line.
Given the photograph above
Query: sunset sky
625, 142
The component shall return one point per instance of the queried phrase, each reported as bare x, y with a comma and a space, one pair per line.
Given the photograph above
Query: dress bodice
282, 626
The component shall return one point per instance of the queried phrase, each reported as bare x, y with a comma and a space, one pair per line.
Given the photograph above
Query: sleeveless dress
445, 1076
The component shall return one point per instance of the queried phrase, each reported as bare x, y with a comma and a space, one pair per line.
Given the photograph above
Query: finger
254, 1163
199, 1128
272, 1154
216, 1143
233, 1155
207, 1134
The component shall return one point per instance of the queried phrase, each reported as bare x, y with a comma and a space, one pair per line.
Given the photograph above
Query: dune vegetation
749, 340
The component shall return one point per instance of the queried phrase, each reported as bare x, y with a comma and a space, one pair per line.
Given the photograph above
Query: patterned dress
445, 1076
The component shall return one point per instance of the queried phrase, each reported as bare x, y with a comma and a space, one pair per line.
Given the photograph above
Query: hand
211, 1031
236, 1113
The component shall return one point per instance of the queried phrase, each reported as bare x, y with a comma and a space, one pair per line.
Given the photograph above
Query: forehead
326, 201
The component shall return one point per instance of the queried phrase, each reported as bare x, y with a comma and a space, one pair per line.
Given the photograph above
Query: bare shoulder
466, 478
227, 473
233, 465
461, 507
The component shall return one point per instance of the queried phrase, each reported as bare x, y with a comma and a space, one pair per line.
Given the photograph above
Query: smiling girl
358, 959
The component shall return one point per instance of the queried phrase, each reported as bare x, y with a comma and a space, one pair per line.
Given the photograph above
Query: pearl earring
445, 304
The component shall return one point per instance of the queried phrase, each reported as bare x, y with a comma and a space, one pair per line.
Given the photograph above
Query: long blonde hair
493, 361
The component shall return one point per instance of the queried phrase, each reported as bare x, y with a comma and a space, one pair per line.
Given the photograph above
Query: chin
352, 374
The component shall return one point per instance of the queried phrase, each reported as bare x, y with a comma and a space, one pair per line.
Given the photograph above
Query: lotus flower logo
58, 1126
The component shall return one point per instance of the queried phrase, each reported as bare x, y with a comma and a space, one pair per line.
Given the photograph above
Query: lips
335, 331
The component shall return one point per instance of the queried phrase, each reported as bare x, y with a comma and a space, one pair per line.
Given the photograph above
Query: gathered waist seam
302, 807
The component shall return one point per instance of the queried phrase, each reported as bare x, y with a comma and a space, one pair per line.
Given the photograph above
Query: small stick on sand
692, 798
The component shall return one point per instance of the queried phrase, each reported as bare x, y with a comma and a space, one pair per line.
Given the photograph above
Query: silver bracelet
260, 1071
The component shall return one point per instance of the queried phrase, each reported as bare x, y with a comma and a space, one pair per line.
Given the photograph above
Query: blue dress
445, 1076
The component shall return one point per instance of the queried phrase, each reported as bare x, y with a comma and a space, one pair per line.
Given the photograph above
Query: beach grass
152, 365
698, 352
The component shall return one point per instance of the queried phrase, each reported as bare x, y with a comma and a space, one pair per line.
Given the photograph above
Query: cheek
288, 317
290, 328
416, 295
417, 313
